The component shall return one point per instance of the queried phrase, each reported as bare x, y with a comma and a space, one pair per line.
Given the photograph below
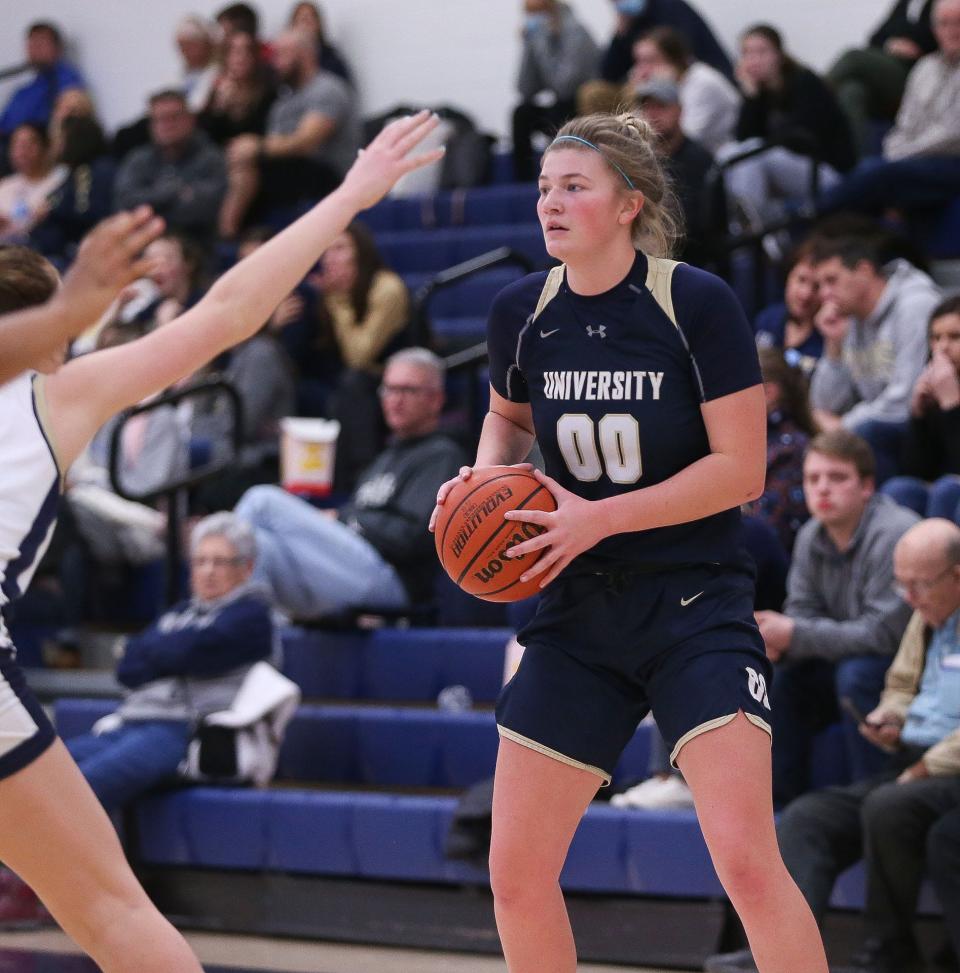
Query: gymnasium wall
430, 51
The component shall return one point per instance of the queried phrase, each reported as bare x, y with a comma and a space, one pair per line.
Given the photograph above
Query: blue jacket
192, 660
33, 102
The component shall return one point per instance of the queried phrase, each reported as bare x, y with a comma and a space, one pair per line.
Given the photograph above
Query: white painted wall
460, 52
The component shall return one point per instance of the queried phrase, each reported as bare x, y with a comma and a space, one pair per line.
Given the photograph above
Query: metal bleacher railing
174, 491
466, 361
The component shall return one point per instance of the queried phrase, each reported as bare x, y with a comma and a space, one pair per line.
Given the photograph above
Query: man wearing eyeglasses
904, 822
374, 552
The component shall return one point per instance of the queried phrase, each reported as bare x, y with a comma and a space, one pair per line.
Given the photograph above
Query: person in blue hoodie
189, 663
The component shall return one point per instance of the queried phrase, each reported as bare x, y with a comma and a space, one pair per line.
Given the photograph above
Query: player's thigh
729, 772
538, 802
57, 837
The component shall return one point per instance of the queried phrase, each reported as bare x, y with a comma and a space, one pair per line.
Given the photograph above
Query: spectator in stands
374, 552
891, 819
262, 372
33, 102
869, 81
558, 56
84, 197
874, 346
790, 326
197, 42
842, 618
943, 865
72, 103
364, 307
23, 194
790, 109
238, 16
711, 104
702, 199
790, 427
242, 93
313, 133
176, 269
920, 167
635, 18
308, 18
930, 458
189, 663
181, 173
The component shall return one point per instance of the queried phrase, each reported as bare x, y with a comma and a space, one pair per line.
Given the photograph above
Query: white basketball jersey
29, 488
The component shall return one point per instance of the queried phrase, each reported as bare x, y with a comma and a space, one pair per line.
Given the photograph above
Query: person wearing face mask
634, 19
558, 56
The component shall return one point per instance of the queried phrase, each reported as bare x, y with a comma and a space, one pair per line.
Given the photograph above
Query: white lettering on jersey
757, 686
602, 386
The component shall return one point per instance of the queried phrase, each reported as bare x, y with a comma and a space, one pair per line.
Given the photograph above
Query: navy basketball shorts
603, 650
25, 731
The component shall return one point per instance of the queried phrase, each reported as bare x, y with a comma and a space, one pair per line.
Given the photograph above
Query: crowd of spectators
860, 355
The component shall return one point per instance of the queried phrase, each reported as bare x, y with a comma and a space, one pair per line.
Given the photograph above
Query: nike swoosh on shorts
686, 601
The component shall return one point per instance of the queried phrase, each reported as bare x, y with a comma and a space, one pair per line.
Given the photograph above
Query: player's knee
745, 869
514, 875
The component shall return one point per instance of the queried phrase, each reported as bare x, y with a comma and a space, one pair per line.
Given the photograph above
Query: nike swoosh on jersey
546, 334
686, 601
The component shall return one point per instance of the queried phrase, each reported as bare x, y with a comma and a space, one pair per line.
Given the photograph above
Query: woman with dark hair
23, 194
790, 426
788, 107
242, 92
710, 103
930, 456
363, 310
307, 16
86, 194
53, 832
790, 325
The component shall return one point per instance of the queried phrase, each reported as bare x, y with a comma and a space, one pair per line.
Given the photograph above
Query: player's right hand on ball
465, 473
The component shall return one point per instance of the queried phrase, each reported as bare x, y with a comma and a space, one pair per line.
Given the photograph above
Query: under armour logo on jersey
757, 686
600, 329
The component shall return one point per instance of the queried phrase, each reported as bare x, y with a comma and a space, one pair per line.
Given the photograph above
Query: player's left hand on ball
571, 529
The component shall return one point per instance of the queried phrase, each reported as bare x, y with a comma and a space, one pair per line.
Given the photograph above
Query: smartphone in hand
851, 708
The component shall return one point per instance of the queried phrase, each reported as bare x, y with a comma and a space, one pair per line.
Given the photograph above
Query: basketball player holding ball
639, 379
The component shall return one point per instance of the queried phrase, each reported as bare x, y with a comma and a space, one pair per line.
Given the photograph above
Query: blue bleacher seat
400, 836
395, 664
411, 251
484, 205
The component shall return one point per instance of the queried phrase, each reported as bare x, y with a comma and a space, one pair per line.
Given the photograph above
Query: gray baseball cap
662, 90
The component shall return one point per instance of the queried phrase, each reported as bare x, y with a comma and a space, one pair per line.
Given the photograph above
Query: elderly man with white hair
188, 664
893, 820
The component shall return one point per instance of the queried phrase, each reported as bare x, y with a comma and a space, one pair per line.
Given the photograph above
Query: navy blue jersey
616, 381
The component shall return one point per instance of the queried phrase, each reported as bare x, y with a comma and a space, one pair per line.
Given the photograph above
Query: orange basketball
471, 534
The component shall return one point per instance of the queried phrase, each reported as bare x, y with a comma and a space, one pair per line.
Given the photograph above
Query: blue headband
597, 149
